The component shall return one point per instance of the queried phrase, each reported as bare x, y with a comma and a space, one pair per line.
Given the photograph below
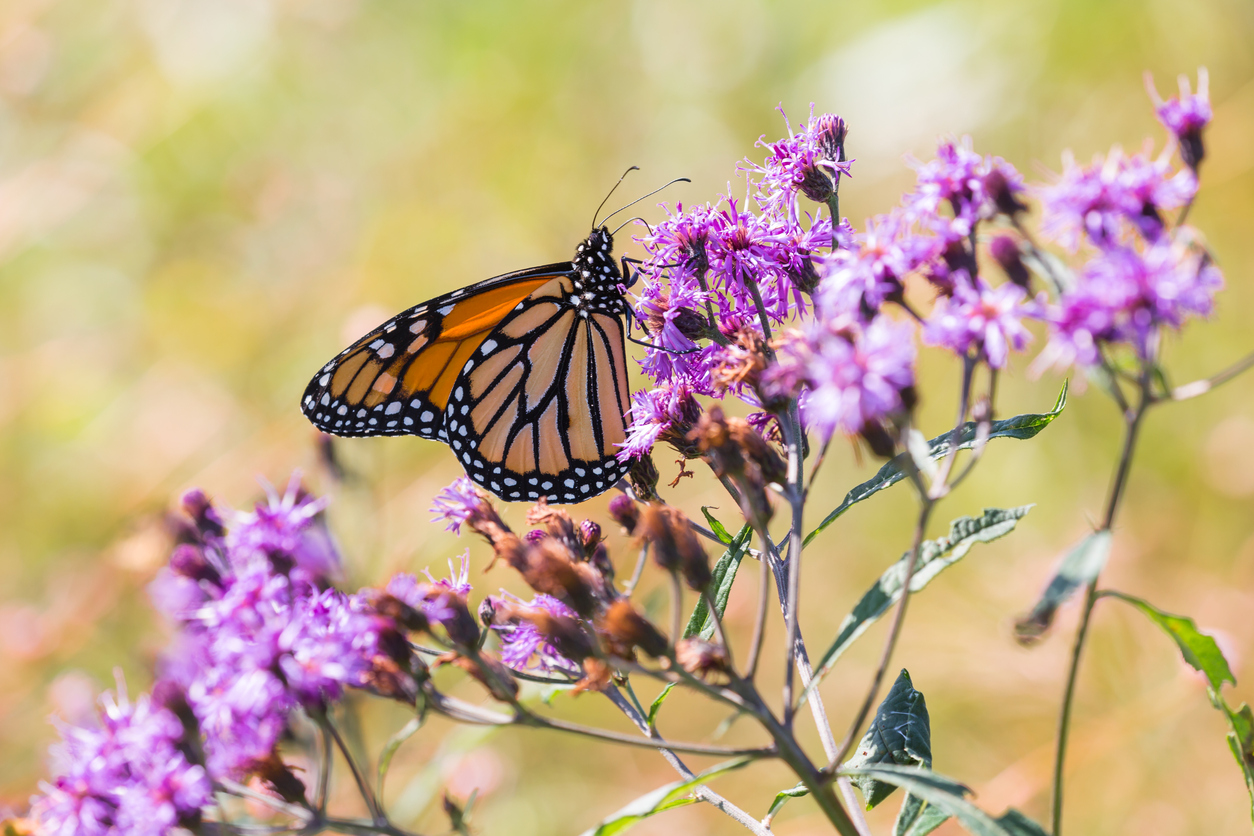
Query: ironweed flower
1124, 295
666, 413
850, 377
526, 644
131, 774
860, 278
1101, 200
286, 529
809, 162
976, 316
975, 187
460, 502
1185, 115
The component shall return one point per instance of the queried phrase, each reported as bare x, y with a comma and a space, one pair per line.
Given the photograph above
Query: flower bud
190, 562
534, 535
829, 132
1005, 251
1003, 193
550, 570
643, 477
280, 778
590, 535
400, 612
197, 506
625, 512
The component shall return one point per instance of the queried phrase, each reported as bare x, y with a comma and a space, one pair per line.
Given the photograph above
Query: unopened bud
535, 535
1004, 194
590, 535
190, 562
879, 440
643, 477
625, 512
197, 506
830, 131
1005, 251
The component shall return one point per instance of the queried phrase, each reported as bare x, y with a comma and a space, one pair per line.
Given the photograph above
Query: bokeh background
202, 200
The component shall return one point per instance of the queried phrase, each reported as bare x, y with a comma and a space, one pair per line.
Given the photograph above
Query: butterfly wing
397, 379
538, 411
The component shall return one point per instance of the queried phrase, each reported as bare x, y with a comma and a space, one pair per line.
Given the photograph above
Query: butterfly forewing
538, 410
524, 376
396, 380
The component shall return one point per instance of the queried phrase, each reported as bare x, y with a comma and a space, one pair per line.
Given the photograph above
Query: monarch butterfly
524, 375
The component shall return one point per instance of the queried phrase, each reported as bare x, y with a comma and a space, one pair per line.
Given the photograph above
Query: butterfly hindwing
397, 379
539, 408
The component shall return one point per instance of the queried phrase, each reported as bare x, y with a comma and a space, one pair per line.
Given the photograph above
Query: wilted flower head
524, 647
128, 775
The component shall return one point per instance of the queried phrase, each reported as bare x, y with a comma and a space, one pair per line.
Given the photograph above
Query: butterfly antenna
629, 220
644, 197
607, 197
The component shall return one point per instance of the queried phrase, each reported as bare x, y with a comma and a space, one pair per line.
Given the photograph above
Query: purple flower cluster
128, 775
457, 503
261, 634
850, 376
523, 647
1144, 275
656, 412
809, 162
981, 318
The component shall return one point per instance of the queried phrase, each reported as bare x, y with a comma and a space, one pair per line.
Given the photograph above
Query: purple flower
1099, 200
286, 530
654, 413
852, 376
1186, 115
128, 776
810, 162
858, 279
457, 503
523, 648
1123, 296
458, 580
980, 317
975, 187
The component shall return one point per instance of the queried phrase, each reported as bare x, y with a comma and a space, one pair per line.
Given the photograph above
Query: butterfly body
523, 375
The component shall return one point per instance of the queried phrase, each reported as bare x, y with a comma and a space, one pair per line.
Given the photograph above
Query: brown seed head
624, 629
675, 544
701, 658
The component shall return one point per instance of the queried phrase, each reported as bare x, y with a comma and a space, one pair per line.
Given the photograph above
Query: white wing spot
446, 310
377, 344
418, 327
343, 410
488, 346
426, 417
393, 408
324, 380
387, 351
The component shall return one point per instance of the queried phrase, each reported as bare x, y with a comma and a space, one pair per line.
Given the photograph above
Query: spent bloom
129, 775
980, 317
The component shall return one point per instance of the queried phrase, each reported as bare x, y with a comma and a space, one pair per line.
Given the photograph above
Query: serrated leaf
658, 700
1197, 648
717, 527
1079, 568
723, 576
782, 798
934, 556
1021, 427
900, 734
668, 797
949, 797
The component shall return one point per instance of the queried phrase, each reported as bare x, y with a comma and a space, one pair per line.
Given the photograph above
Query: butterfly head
594, 260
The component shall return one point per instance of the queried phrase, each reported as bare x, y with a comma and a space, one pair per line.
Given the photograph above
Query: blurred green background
203, 200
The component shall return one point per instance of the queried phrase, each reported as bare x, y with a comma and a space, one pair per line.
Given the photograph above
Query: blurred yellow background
202, 200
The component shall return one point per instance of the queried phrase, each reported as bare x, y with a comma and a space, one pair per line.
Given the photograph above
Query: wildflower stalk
796, 500
1132, 425
759, 624
367, 795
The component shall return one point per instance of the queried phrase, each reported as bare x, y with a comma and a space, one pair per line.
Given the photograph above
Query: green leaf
948, 797
934, 556
668, 797
1021, 427
901, 734
717, 527
782, 798
657, 702
1241, 741
394, 742
1079, 568
1197, 648
724, 575
917, 817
